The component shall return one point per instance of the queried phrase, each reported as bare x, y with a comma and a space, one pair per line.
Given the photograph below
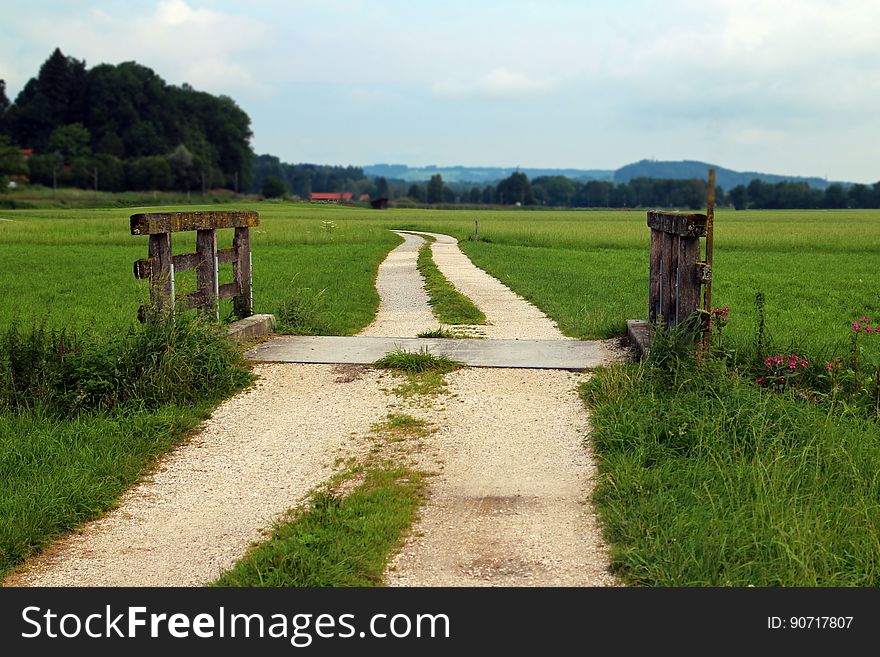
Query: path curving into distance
403, 303
508, 315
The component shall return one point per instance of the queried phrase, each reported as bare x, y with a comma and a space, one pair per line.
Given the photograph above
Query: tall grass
710, 480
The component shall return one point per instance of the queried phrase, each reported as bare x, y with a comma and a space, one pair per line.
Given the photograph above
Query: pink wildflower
868, 329
829, 367
856, 327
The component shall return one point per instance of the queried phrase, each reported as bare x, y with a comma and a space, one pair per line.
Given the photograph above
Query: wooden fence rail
161, 265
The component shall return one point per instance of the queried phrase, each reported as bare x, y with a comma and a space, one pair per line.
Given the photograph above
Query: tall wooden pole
710, 226
707, 290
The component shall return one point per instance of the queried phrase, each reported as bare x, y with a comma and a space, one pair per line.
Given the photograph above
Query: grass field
798, 507
586, 269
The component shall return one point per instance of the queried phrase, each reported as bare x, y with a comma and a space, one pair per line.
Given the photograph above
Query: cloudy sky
780, 86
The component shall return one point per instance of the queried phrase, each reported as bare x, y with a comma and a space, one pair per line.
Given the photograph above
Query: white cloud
501, 82
208, 49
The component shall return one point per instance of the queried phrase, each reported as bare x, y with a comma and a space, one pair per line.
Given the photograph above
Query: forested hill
689, 169
128, 122
658, 170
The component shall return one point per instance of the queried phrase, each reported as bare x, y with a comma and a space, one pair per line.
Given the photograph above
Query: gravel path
508, 507
508, 315
403, 307
260, 453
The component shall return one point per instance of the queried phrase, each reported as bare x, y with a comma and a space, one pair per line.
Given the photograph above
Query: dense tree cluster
762, 195
303, 179
122, 127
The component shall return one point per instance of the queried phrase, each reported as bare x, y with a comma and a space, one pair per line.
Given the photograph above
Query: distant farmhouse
330, 197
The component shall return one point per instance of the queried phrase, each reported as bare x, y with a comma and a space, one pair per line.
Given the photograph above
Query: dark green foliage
129, 112
11, 162
273, 187
303, 179
56, 97
515, 189
434, 190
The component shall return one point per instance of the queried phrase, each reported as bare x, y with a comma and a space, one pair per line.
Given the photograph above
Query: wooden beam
686, 225
228, 291
173, 222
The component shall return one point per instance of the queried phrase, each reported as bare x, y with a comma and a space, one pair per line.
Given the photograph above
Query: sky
776, 86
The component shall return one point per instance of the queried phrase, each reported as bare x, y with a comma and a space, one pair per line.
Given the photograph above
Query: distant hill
683, 170
724, 178
477, 175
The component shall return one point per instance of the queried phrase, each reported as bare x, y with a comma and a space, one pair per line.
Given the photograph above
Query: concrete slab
251, 328
640, 334
362, 350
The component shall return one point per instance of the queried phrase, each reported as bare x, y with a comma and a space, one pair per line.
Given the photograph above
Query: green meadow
586, 269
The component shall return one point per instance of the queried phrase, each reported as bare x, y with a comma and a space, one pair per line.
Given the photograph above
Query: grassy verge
448, 304
56, 474
710, 480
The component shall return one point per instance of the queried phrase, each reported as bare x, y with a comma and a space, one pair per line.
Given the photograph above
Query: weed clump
416, 362
177, 358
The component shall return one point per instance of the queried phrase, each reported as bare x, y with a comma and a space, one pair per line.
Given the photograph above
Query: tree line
560, 191
123, 127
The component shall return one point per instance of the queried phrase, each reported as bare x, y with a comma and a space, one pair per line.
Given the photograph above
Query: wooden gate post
675, 271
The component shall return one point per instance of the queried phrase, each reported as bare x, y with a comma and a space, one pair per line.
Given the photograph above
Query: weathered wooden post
676, 272
161, 265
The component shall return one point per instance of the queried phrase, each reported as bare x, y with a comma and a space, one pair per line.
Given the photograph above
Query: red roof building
330, 197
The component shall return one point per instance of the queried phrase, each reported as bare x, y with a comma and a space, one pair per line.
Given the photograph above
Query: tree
381, 187
4, 105
554, 190
147, 173
70, 141
11, 162
183, 173
273, 187
475, 195
515, 189
739, 196
835, 197
416, 192
435, 189
54, 98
